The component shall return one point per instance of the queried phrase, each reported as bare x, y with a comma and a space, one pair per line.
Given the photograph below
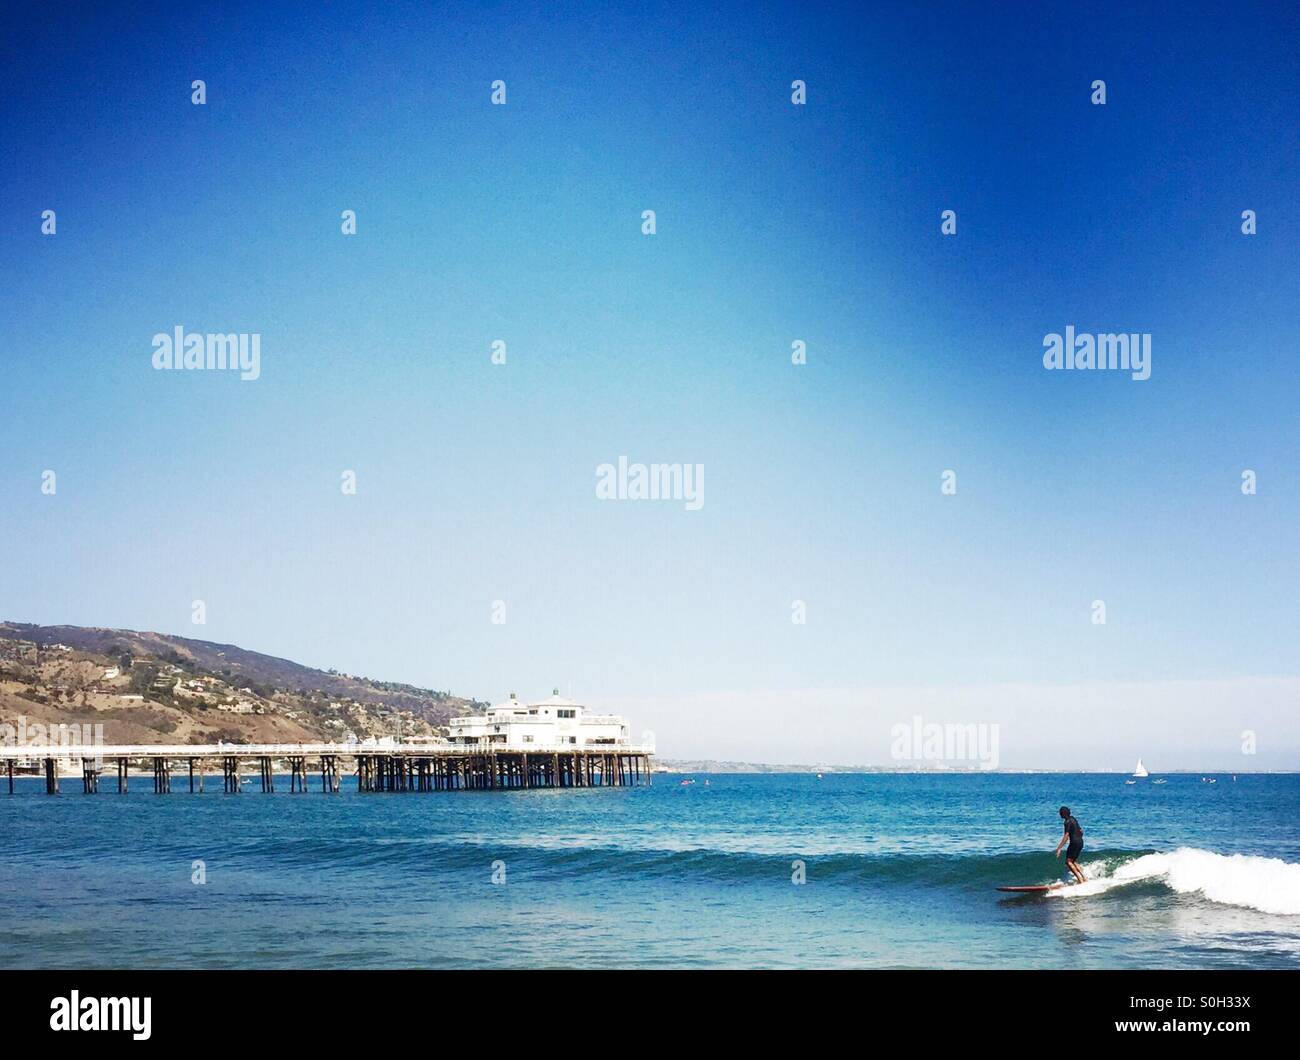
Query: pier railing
286, 750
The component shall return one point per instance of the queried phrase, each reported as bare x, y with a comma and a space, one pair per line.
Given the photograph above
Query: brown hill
154, 687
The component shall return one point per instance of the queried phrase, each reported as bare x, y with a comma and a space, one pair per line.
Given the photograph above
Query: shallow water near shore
900, 872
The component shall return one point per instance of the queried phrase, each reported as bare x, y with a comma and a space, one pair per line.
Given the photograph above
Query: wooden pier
397, 768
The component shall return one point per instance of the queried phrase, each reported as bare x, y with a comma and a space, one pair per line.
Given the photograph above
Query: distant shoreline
679, 766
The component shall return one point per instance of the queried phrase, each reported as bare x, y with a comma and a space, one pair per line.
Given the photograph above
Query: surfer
1074, 835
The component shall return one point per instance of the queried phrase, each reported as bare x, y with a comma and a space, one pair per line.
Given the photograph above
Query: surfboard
1035, 888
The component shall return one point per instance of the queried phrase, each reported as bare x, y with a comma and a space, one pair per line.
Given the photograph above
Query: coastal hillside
158, 688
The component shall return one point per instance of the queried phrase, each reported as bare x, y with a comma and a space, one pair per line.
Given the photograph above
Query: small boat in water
1141, 770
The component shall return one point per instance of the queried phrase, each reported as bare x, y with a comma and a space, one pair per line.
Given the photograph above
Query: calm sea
900, 872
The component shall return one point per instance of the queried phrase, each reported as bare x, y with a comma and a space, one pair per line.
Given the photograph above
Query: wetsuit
1075, 831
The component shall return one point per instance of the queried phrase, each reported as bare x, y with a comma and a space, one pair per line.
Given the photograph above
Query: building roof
556, 700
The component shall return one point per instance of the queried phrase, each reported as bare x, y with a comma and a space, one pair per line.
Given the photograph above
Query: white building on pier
555, 724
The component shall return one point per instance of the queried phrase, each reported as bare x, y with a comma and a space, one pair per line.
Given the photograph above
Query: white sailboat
1141, 770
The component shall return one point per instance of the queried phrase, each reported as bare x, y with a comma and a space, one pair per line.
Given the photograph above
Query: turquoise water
900, 872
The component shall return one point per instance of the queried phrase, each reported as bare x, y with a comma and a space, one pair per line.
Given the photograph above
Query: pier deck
396, 768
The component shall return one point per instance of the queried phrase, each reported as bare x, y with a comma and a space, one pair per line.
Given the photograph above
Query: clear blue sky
775, 222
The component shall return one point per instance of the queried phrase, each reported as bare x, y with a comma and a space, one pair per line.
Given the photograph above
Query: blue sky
775, 222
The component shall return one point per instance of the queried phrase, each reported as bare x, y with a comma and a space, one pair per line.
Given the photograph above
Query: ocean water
900, 872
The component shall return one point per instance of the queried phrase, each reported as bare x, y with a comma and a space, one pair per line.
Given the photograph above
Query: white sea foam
1267, 884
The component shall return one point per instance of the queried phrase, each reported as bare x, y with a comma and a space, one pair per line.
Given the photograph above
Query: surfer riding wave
1073, 834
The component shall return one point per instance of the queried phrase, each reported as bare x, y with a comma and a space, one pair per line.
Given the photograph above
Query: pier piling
411, 768
498, 771
230, 769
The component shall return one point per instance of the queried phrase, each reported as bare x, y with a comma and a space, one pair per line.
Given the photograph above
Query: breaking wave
1269, 885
